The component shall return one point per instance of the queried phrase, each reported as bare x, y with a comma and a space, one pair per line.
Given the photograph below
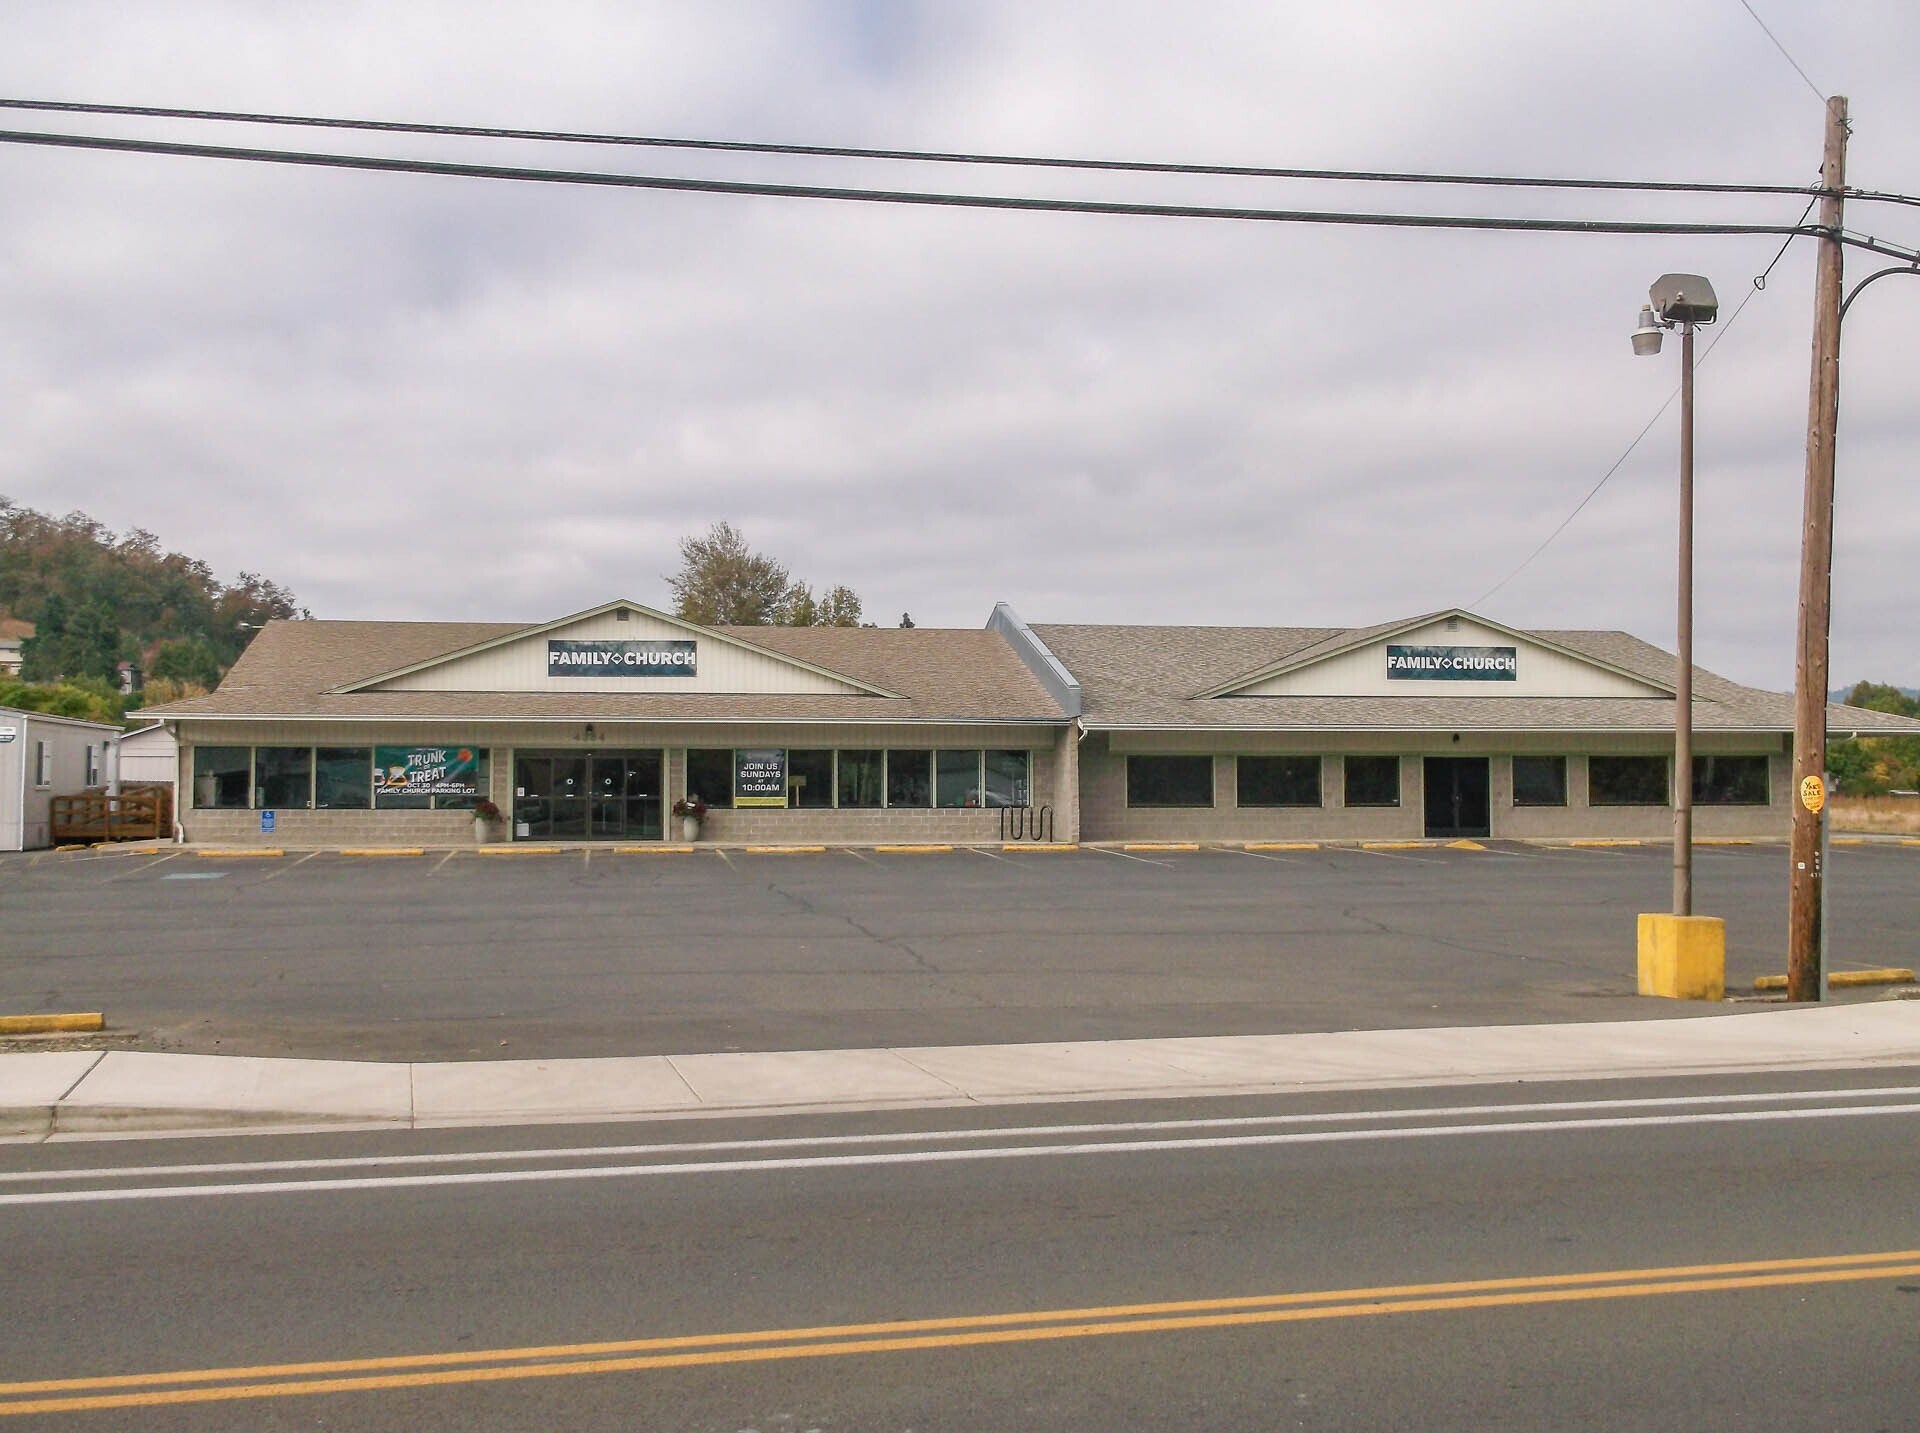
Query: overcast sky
418, 397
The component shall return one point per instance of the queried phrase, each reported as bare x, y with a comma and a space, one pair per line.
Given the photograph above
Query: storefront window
282, 776
1626, 781
343, 778
861, 783
809, 779
956, 778
1730, 781
1539, 781
1373, 780
222, 777
421, 778
1277, 781
909, 778
1169, 781
1008, 782
710, 776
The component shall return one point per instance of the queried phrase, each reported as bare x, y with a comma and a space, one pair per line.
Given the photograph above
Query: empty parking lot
595, 951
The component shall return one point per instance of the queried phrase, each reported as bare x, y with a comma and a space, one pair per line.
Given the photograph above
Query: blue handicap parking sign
266, 823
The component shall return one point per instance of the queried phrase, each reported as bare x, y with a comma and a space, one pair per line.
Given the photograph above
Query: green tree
723, 582
89, 699
191, 660
840, 608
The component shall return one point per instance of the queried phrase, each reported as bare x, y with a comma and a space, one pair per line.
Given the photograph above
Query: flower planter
689, 828
485, 833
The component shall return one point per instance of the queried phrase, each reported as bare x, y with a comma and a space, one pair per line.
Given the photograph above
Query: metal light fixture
1647, 336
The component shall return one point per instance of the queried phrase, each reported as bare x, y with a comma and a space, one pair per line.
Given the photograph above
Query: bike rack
1026, 823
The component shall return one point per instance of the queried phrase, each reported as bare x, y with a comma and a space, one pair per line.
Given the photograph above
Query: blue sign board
266, 823
621, 659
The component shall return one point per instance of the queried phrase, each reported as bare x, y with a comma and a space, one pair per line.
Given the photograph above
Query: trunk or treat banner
1453, 664
620, 659
426, 770
760, 777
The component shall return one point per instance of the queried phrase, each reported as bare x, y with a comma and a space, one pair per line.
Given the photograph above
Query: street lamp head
1646, 335
1684, 298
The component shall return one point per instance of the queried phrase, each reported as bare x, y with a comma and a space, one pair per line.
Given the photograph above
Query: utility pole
1807, 877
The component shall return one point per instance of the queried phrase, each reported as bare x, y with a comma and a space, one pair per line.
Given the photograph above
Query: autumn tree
724, 582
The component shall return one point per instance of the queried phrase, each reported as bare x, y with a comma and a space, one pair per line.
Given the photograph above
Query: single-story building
41, 757
591, 727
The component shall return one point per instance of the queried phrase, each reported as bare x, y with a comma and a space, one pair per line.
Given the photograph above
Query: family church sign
620, 659
1453, 664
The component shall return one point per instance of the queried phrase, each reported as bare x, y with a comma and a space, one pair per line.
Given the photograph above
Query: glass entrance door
1458, 796
575, 796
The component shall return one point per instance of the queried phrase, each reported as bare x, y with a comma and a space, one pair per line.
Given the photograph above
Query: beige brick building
594, 726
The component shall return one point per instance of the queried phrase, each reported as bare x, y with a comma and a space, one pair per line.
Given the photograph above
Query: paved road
1737, 1253
451, 956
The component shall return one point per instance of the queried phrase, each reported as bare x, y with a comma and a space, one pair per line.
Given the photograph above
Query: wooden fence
138, 813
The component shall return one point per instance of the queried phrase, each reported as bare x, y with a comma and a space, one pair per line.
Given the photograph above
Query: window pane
1277, 781
1626, 781
1373, 780
1169, 781
809, 778
860, 779
1539, 781
1730, 781
710, 776
957, 778
222, 777
343, 778
482, 780
1007, 783
909, 778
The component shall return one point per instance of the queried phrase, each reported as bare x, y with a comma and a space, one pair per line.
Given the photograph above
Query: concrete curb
80, 1022
54, 1094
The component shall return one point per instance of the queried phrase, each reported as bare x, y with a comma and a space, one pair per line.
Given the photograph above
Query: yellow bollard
1683, 957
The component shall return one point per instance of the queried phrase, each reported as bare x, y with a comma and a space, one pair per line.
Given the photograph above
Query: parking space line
443, 861
848, 850
129, 875
1129, 856
1263, 856
1386, 855
982, 851
282, 870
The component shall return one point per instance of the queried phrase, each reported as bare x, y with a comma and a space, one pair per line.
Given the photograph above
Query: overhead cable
1133, 166
889, 196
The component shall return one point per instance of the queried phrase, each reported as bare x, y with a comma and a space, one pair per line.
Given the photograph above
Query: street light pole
1683, 677
1681, 301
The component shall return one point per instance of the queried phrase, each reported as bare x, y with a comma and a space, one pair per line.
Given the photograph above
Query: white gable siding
521, 666
1542, 672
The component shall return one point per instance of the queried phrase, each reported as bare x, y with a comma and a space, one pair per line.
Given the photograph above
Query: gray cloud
410, 397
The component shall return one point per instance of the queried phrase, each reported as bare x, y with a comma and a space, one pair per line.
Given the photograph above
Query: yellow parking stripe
383, 850
653, 850
1281, 846
1162, 846
912, 850
785, 850
247, 853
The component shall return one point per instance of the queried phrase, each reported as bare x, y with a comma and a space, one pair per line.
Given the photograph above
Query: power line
1783, 50
1759, 284
1133, 166
890, 196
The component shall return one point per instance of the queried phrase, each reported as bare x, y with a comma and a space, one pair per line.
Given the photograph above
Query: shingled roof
1150, 678
291, 669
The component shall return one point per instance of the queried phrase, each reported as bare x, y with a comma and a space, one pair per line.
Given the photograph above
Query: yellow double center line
216, 1385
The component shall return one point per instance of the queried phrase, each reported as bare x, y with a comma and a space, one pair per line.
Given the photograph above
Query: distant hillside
97, 599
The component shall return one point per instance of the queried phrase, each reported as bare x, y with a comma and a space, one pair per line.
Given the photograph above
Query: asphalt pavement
1698, 1252
593, 952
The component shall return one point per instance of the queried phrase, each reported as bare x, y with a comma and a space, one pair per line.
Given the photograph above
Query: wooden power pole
1806, 892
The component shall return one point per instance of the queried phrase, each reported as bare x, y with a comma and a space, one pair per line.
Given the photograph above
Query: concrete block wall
1105, 815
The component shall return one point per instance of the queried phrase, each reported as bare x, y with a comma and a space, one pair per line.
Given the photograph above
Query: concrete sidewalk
52, 1093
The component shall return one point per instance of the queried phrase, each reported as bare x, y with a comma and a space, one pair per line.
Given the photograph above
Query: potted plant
487, 821
690, 809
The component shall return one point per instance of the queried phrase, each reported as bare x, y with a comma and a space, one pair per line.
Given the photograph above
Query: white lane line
933, 1156
1400, 856
441, 862
275, 875
1263, 856
1129, 856
858, 857
1054, 1131
990, 855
